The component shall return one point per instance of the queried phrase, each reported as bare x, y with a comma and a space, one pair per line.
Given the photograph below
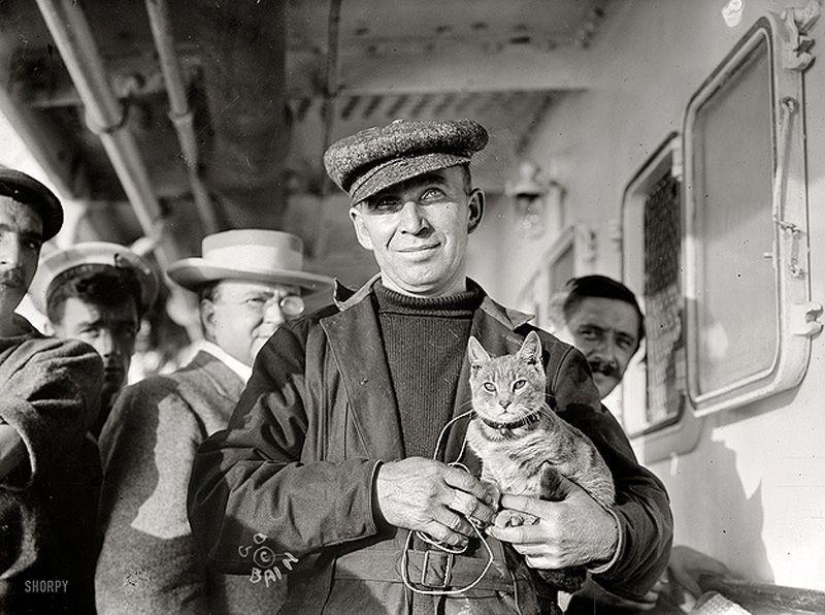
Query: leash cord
408, 543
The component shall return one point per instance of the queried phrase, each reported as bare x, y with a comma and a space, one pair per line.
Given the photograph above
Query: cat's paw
513, 518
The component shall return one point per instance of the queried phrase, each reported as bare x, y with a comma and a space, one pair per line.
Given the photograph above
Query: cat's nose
505, 403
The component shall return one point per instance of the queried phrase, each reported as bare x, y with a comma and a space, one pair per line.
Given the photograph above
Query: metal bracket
795, 49
804, 318
792, 231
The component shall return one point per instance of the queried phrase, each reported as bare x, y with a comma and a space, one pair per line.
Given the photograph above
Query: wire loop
477, 528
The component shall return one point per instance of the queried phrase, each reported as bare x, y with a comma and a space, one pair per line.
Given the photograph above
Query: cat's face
510, 387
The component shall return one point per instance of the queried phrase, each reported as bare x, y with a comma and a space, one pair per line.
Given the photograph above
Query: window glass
665, 356
736, 316
654, 388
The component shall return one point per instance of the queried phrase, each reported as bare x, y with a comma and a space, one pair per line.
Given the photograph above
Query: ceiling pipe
331, 83
180, 112
331, 88
105, 116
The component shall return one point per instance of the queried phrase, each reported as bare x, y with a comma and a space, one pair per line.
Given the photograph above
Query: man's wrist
377, 515
605, 563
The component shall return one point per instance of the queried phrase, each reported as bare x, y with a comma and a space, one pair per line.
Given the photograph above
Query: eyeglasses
291, 306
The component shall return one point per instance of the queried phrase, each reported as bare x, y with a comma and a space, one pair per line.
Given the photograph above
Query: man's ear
361, 233
476, 209
48, 329
207, 313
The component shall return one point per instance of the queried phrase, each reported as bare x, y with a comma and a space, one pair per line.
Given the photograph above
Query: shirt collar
244, 371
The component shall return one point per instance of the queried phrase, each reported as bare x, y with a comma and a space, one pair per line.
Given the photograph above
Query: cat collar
522, 422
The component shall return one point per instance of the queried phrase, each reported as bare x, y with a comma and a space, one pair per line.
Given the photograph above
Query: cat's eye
489, 386
518, 384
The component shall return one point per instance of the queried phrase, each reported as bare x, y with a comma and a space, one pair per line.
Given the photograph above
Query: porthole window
655, 387
747, 311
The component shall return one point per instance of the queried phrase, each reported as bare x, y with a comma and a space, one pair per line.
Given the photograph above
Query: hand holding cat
432, 497
573, 531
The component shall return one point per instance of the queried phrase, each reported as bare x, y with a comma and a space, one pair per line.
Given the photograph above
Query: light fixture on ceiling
536, 198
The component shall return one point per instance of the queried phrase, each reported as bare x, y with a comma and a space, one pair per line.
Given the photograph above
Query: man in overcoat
339, 447
49, 398
249, 282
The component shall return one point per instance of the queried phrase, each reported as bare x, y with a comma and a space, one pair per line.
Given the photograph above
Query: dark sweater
425, 341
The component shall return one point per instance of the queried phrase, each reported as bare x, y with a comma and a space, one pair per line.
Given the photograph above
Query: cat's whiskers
547, 411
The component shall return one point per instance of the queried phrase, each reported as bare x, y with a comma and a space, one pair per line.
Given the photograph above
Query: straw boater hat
252, 255
371, 160
90, 257
28, 190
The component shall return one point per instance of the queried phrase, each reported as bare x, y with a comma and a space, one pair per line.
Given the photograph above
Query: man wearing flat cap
334, 455
49, 398
249, 283
97, 292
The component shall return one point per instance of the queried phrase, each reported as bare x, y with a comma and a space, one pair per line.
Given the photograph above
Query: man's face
21, 235
418, 232
110, 331
244, 315
607, 332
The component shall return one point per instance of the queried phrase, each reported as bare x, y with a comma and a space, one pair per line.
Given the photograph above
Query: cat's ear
476, 353
531, 349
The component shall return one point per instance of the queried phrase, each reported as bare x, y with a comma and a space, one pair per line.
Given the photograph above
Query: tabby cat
523, 445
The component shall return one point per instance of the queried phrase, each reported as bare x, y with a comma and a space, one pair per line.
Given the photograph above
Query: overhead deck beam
465, 70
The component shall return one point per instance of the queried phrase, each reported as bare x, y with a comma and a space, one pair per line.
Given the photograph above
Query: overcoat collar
225, 381
354, 336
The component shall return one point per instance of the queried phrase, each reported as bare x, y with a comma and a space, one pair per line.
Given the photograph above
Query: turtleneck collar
458, 305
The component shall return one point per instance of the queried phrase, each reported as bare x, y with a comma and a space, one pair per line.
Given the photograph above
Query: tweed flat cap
26, 189
369, 161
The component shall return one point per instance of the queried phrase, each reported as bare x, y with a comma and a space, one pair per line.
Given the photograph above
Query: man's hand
431, 497
686, 565
570, 532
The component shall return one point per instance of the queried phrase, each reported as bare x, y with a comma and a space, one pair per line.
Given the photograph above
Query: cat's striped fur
523, 444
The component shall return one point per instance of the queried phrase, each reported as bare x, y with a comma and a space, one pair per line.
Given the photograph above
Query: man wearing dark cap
336, 459
49, 397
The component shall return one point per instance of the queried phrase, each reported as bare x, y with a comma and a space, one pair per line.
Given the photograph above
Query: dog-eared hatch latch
805, 318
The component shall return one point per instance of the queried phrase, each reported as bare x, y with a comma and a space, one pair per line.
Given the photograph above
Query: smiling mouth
417, 249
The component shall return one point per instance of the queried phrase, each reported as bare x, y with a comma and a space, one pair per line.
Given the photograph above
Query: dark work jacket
50, 393
292, 476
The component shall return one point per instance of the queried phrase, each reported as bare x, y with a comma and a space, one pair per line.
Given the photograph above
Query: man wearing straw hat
49, 398
97, 292
334, 456
249, 282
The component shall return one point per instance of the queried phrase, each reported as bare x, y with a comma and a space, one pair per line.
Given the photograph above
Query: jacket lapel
354, 336
225, 382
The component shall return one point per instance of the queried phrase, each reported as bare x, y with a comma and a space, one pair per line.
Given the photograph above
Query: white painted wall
752, 493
